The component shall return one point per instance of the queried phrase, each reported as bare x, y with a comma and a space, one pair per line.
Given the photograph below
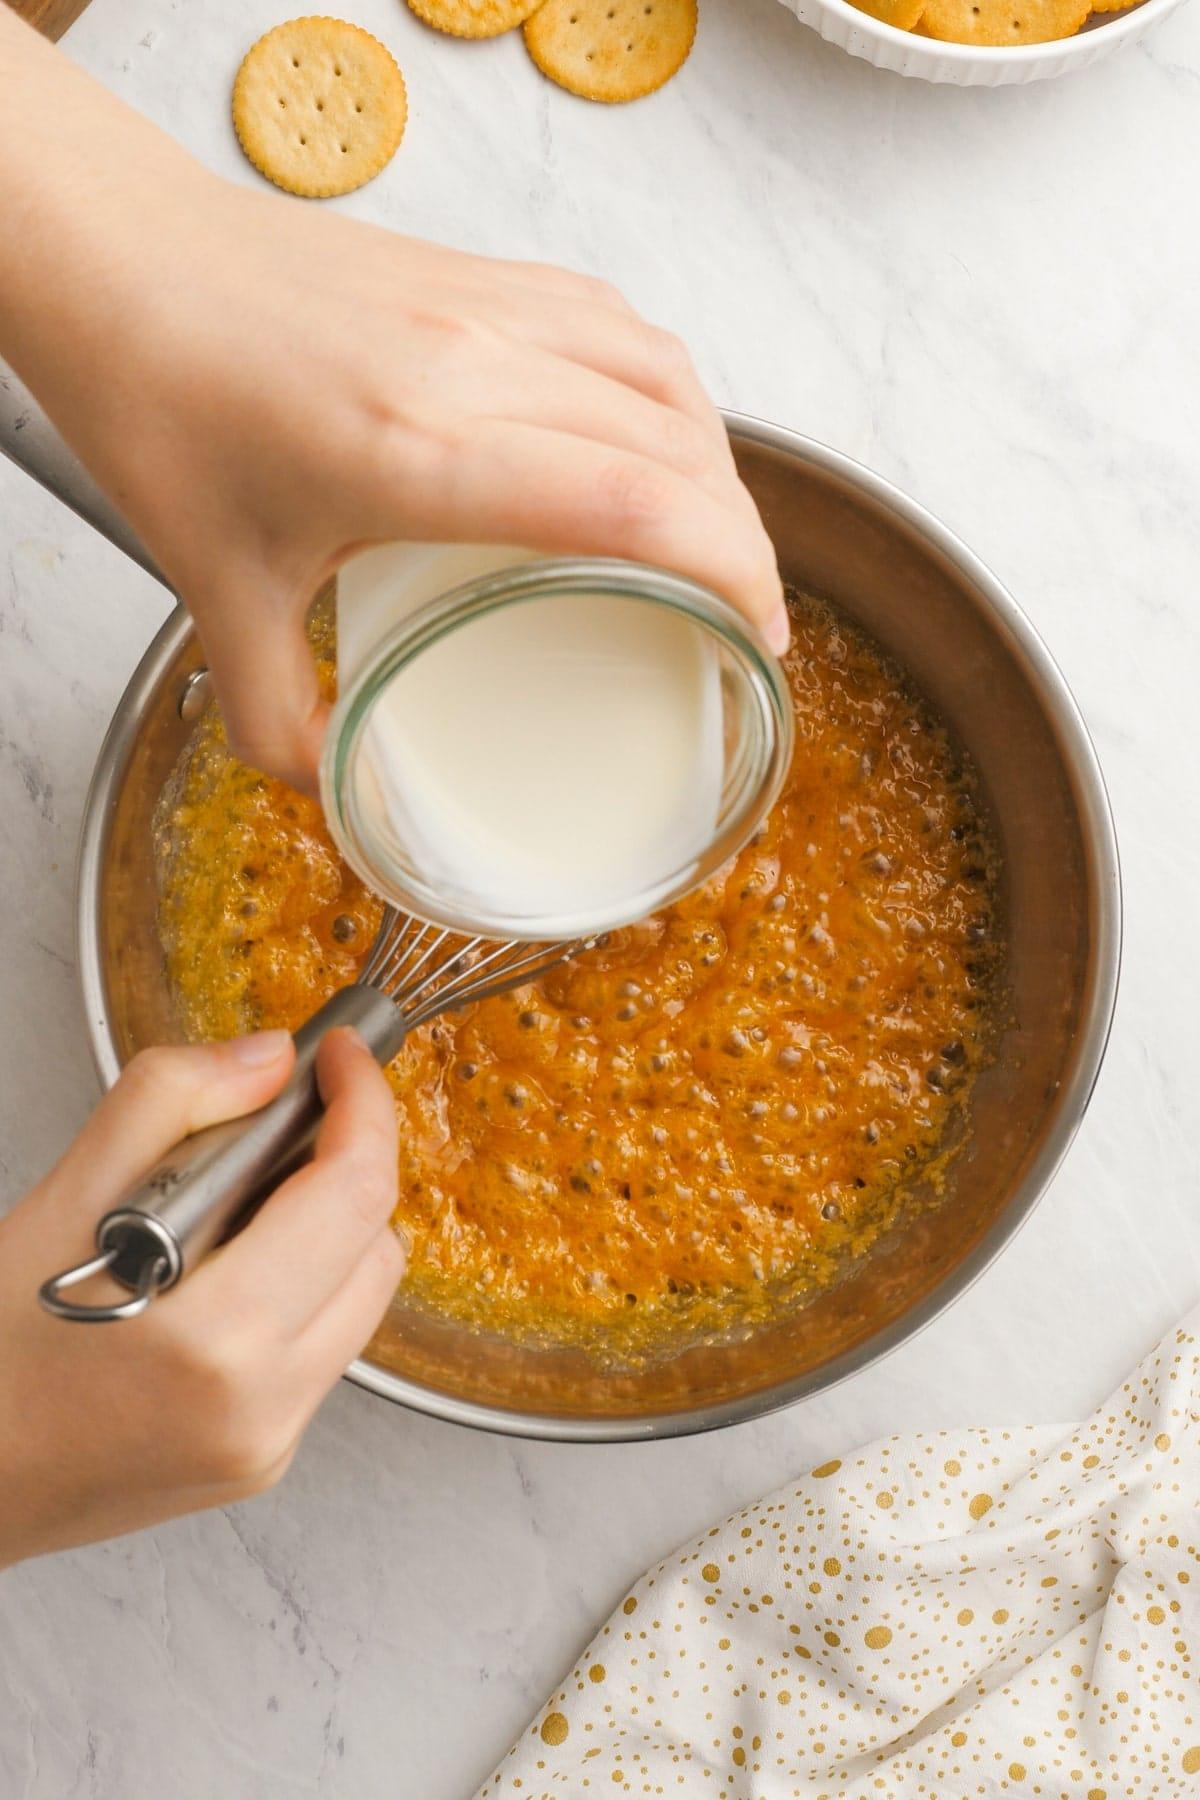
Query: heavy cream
552, 759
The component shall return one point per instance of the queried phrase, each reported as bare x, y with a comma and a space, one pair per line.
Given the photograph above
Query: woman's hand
263, 386
320, 384
202, 1399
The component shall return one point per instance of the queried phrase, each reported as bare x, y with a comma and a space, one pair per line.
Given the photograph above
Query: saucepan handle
210, 1183
28, 439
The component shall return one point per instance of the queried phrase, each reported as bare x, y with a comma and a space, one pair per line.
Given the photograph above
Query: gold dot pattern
1018, 1618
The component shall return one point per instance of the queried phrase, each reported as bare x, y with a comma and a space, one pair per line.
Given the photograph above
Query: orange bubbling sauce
704, 1120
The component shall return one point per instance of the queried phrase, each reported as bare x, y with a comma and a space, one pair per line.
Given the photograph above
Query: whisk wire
425, 969
408, 951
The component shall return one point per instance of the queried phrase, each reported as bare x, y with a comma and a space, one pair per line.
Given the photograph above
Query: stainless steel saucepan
843, 532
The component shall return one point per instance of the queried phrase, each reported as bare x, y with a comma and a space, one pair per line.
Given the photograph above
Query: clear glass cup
756, 726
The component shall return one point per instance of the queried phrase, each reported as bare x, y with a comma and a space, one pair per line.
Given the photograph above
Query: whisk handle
208, 1184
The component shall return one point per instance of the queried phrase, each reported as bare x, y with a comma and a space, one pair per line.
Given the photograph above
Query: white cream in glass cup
544, 748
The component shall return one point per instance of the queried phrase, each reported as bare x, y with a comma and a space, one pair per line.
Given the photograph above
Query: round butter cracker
473, 18
319, 106
905, 15
611, 50
989, 23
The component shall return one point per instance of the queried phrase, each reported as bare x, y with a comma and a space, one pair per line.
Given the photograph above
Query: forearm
88, 194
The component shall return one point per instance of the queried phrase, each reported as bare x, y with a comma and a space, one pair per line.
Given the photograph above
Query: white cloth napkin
969, 1613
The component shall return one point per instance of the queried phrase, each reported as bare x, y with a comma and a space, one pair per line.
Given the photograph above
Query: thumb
266, 682
162, 1096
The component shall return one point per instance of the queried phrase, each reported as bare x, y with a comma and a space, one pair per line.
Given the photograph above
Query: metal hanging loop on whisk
207, 1185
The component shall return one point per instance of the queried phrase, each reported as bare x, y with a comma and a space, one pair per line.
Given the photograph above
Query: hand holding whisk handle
206, 1186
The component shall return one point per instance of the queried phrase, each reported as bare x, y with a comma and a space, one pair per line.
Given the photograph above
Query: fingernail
779, 632
356, 1037
261, 1048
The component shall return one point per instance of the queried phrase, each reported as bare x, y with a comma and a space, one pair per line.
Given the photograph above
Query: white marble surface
990, 297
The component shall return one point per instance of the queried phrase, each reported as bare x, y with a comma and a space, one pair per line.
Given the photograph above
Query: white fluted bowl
965, 65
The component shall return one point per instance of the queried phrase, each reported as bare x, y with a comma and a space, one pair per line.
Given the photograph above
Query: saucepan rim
1090, 1040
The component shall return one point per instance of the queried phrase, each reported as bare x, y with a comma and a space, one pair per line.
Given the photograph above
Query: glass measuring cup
537, 863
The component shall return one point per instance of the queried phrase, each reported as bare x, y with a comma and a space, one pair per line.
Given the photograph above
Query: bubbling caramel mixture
705, 1119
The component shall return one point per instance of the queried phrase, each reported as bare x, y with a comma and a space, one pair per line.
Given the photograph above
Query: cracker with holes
611, 50
993, 22
319, 106
473, 18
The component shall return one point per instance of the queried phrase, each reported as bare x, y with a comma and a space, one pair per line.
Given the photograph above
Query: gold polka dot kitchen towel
992, 1613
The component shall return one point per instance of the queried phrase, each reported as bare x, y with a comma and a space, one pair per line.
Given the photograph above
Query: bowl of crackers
980, 43
320, 106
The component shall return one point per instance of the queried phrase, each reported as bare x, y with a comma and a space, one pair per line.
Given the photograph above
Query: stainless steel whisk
208, 1184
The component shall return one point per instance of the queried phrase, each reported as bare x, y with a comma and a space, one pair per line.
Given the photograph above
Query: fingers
572, 496
538, 277
314, 1231
591, 323
623, 347
266, 681
585, 319
531, 386
340, 1330
162, 1097
469, 275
